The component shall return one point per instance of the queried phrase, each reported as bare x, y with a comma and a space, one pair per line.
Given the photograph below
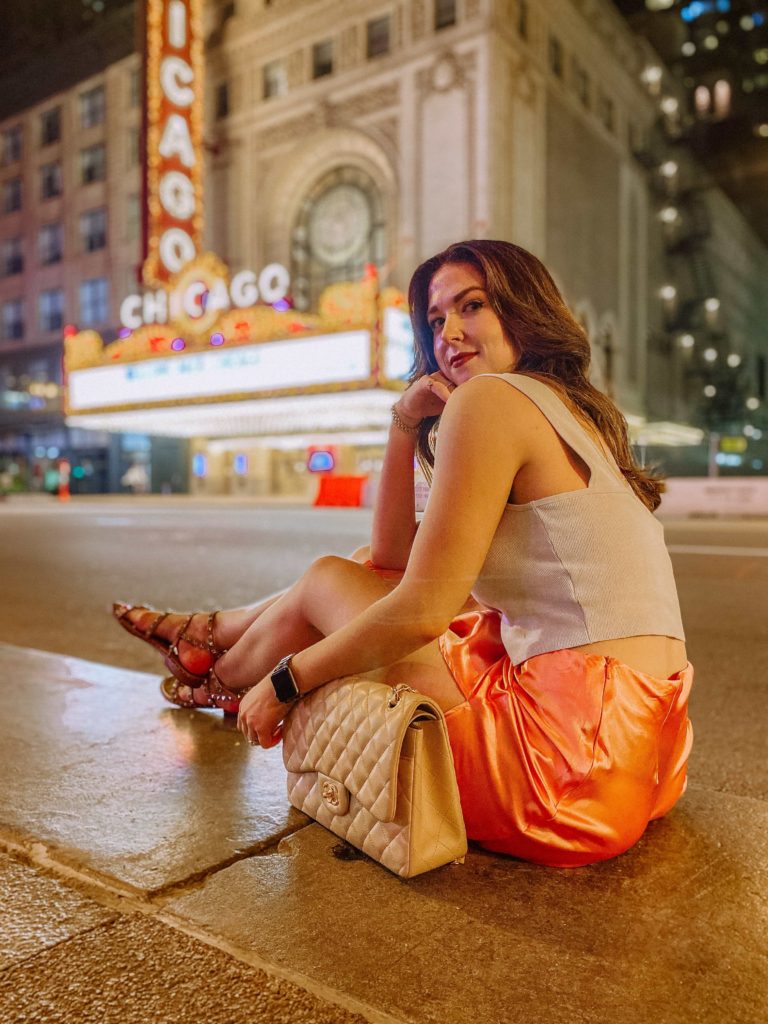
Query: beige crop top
582, 566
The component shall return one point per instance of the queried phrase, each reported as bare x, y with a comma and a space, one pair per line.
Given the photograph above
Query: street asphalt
151, 869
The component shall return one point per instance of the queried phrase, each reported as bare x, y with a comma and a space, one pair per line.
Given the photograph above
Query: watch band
284, 682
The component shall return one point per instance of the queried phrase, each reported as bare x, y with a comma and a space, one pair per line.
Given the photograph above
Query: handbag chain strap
397, 693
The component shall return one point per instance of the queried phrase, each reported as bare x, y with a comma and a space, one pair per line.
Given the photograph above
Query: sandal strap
216, 689
209, 644
182, 635
213, 647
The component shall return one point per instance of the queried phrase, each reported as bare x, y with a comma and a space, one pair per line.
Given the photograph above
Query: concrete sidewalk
153, 871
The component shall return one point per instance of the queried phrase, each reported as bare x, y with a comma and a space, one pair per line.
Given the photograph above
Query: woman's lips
462, 359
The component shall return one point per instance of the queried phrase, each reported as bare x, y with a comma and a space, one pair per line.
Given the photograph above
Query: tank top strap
602, 467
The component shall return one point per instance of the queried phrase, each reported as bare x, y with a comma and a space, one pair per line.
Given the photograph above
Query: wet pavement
151, 869
154, 871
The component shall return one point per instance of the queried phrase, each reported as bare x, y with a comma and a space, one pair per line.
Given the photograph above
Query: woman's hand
260, 715
425, 397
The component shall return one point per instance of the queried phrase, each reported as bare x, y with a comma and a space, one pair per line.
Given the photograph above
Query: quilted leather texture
394, 763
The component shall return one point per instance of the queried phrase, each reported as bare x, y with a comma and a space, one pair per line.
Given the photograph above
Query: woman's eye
474, 304
437, 322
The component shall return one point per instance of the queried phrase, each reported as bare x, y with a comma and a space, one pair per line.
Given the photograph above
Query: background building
341, 134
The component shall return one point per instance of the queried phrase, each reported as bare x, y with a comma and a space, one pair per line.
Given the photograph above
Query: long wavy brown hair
552, 346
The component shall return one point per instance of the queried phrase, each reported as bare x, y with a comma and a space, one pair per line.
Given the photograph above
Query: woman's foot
210, 694
188, 642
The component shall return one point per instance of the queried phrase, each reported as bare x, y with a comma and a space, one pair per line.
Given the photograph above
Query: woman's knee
327, 573
361, 555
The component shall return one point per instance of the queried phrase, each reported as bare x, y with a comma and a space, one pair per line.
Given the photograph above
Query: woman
566, 689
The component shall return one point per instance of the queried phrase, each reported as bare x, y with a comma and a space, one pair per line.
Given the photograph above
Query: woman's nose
452, 327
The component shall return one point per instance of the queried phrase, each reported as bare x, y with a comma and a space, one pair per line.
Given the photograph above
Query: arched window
339, 228
722, 92
702, 100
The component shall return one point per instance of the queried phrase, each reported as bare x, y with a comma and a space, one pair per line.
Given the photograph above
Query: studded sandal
170, 648
214, 694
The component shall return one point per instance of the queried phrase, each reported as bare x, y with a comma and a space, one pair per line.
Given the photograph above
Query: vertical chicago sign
173, 133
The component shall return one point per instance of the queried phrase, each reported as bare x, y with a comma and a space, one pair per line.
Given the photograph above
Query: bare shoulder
493, 400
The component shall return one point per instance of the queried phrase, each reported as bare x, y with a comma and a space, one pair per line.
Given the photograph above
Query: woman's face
467, 335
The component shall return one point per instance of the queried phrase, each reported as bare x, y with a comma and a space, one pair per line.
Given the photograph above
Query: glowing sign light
173, 128
694, 10
288, 364
199, 297
320, 460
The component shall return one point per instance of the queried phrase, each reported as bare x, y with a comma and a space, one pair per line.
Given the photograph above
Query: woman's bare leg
232, 623
331, 593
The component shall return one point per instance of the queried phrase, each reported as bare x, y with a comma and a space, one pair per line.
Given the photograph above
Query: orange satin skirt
565, 758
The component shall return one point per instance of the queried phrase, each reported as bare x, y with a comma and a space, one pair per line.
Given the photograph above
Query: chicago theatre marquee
265, 393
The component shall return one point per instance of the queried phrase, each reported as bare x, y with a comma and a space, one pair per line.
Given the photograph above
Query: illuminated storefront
266, 395
254, 389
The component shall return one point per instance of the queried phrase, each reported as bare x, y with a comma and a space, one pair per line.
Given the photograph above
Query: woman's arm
394, 516
476, 464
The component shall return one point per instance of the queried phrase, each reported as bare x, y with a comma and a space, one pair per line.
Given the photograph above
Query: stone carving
330, 115
472, 8
289, 130
449, 71
350, 50
386, 133
418, 19
366, 103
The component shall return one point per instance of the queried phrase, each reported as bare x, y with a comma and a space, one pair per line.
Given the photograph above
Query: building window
133, 218
275, 79
11, 195
340, 228
722, 96
50, 126
522, 18
445, 13
92, 107
93, 229
556, 56
377, 37
52, 310
134, 88
50, 181
93, 164
94, 301
13, 257
134, 147
13, 320
49, 243
583, 85
222, 100
701, 99
11, 145
606, 112
322, 59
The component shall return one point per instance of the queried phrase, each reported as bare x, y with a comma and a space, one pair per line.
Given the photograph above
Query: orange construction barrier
340, 490
63, 493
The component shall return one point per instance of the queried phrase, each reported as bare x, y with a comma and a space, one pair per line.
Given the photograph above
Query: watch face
339, 225
283, 682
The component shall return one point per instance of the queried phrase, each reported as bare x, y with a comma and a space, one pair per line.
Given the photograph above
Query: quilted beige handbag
373, 764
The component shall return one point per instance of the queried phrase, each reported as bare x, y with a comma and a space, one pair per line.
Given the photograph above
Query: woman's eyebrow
458, 297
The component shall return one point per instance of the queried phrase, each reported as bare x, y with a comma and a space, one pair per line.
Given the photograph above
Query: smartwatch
283, 681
